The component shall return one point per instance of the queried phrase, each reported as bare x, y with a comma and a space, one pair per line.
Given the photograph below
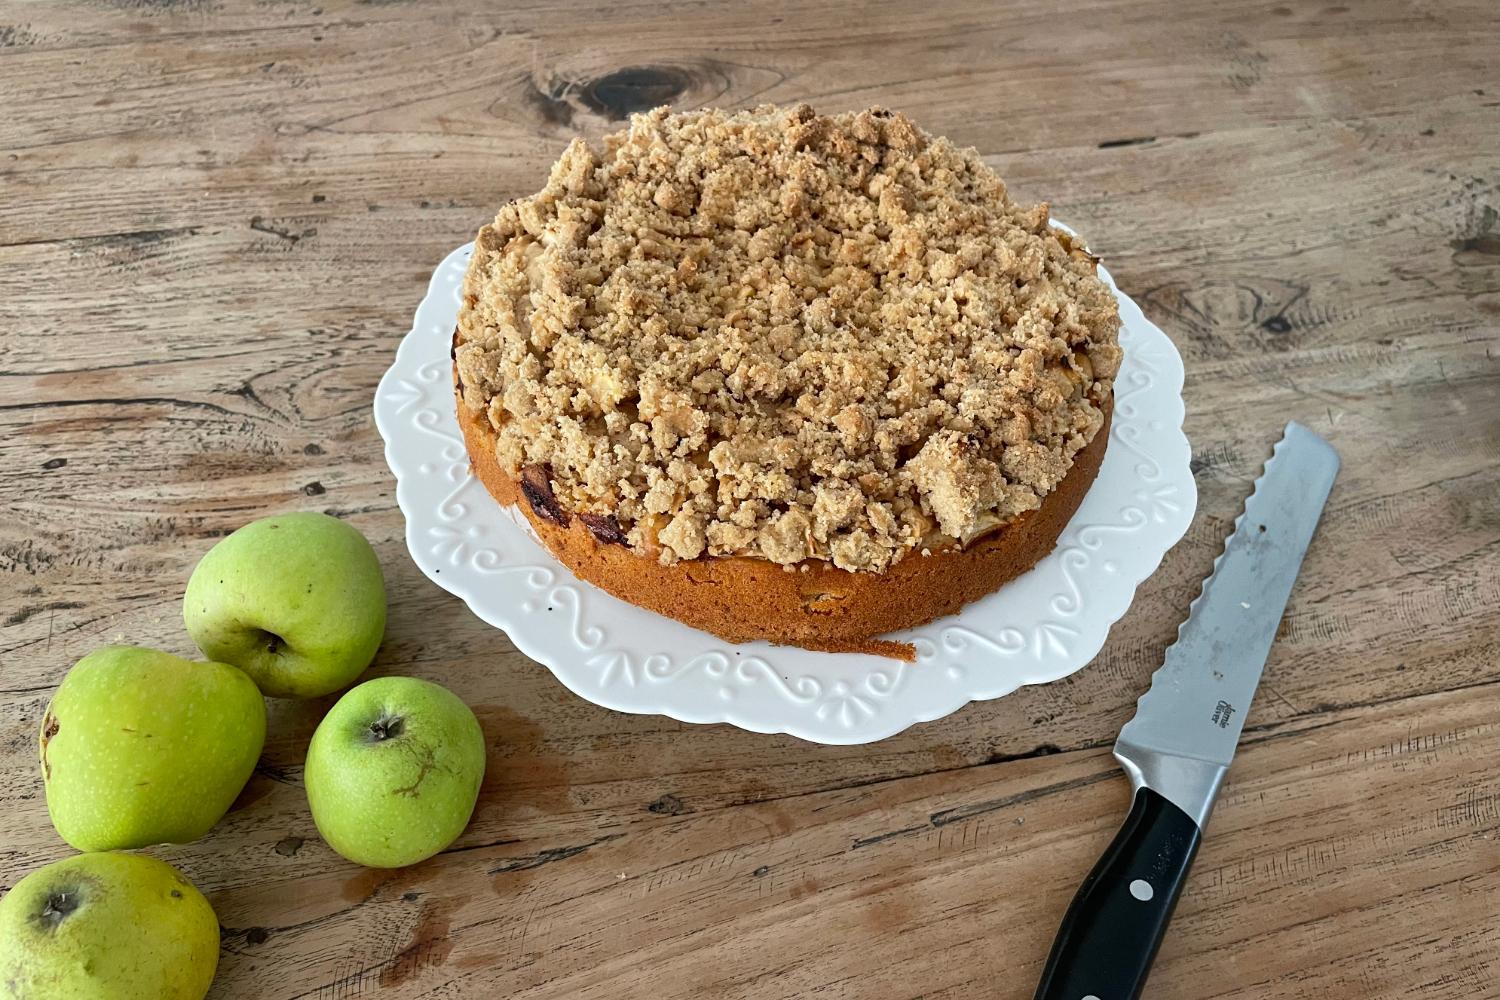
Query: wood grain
216, 218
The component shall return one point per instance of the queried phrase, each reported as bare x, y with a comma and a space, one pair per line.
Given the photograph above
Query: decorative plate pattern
1040, 627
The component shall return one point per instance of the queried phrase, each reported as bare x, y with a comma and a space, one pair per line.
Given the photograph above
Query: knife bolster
1188, 783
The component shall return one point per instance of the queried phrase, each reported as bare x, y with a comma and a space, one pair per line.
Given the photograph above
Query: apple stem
386, 727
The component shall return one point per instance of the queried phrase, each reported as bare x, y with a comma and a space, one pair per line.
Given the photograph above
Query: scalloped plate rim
534, 641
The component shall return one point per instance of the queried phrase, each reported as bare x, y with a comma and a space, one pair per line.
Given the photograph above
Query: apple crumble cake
808, 378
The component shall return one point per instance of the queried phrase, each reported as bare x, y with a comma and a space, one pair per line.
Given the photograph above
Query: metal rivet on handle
1141, 889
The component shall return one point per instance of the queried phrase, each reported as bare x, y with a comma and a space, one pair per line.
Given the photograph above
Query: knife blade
1178, 746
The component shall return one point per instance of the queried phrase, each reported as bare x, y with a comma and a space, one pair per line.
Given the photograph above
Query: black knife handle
1111, 931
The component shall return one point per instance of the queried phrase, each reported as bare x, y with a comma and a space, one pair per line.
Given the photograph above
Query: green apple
107, 927
296, 601
142, 747
393, 771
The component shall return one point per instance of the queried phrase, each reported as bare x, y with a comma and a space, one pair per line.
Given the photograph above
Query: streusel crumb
785, 335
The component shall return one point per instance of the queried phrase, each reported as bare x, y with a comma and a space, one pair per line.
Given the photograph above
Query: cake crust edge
740, 599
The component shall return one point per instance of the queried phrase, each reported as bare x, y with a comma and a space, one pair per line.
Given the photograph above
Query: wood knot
668, 805
561, 97
618, 95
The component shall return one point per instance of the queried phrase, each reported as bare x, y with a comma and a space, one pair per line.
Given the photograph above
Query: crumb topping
784, 335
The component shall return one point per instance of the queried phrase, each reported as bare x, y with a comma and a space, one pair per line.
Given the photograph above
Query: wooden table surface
216, 219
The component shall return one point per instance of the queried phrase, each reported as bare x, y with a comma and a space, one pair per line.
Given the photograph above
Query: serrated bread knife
1178, 747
